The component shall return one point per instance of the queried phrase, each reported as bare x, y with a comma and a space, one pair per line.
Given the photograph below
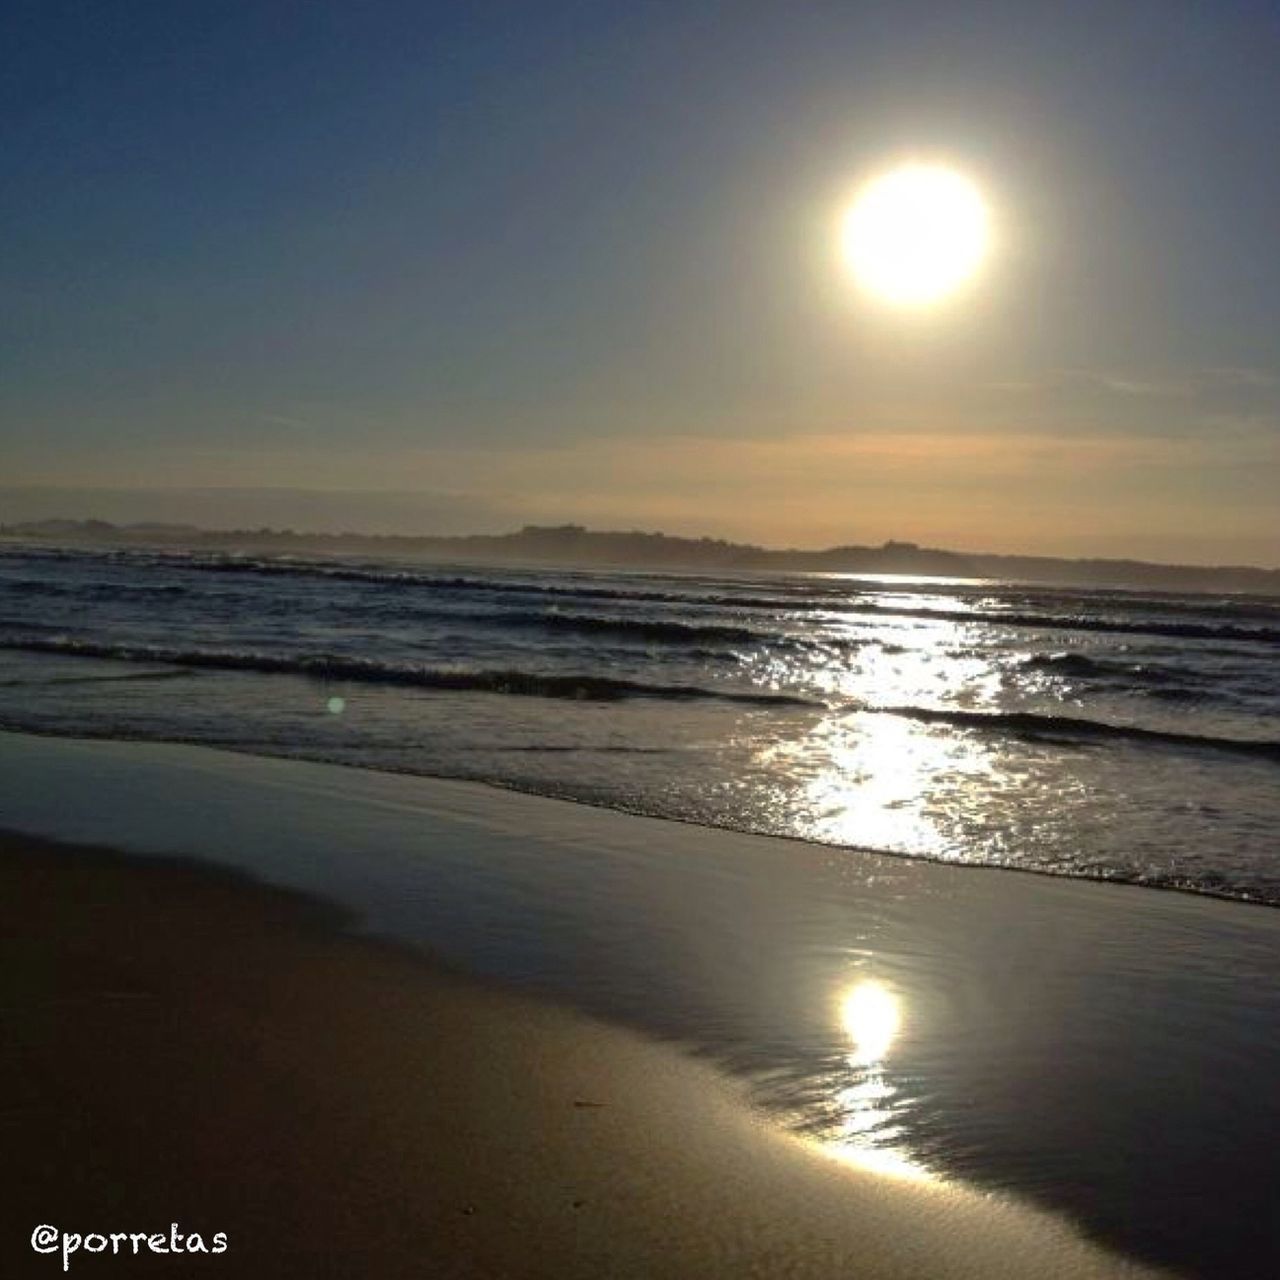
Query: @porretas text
47, 1239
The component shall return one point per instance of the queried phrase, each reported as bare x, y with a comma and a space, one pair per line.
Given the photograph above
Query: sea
1107, 734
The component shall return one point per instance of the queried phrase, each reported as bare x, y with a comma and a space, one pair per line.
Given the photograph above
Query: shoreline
600, 806
194, 1048
1107, 1056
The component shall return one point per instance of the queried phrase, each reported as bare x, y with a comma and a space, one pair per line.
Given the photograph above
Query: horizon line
888, 546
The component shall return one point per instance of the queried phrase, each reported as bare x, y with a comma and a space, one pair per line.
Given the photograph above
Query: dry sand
185, 1045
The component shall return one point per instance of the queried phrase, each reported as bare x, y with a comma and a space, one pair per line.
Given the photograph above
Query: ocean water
1107, 734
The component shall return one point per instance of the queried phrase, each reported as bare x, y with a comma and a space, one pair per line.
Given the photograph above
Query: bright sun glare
870, 1015
916, 234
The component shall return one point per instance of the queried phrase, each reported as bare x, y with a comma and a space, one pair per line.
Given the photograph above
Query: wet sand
184, 1045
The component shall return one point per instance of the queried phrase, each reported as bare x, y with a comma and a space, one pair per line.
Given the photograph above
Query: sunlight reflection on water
867, 1132
884, 781
874, 781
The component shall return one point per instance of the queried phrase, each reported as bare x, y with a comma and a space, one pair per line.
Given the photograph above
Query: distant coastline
574, 545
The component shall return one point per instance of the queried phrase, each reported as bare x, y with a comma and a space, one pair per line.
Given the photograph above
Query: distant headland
574, 545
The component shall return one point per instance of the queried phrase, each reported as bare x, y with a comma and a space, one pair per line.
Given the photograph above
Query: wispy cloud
1243, 424
1128, 386
1202, 401
283, 420
1243, 377
1144, 383
1058, 381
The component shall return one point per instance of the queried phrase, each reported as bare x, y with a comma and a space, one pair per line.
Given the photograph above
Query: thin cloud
282, 420
1126, 386
1243, 377
1196, 383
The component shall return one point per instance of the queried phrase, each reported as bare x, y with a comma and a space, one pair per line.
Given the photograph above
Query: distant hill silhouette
571, 544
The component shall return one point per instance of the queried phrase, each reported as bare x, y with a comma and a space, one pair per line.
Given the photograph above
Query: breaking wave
326, 666
1057, 728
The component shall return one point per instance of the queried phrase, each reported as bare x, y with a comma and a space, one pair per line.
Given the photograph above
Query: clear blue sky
577, 261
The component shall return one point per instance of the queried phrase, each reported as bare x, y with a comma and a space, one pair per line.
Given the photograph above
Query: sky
442, 267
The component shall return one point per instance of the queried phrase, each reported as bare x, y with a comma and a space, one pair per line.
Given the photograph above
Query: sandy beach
378, 1025
189, 1047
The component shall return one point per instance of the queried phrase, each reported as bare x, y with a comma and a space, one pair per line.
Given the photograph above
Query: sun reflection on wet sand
870, 1016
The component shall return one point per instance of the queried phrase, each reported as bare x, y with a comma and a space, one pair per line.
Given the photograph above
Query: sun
914, 235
